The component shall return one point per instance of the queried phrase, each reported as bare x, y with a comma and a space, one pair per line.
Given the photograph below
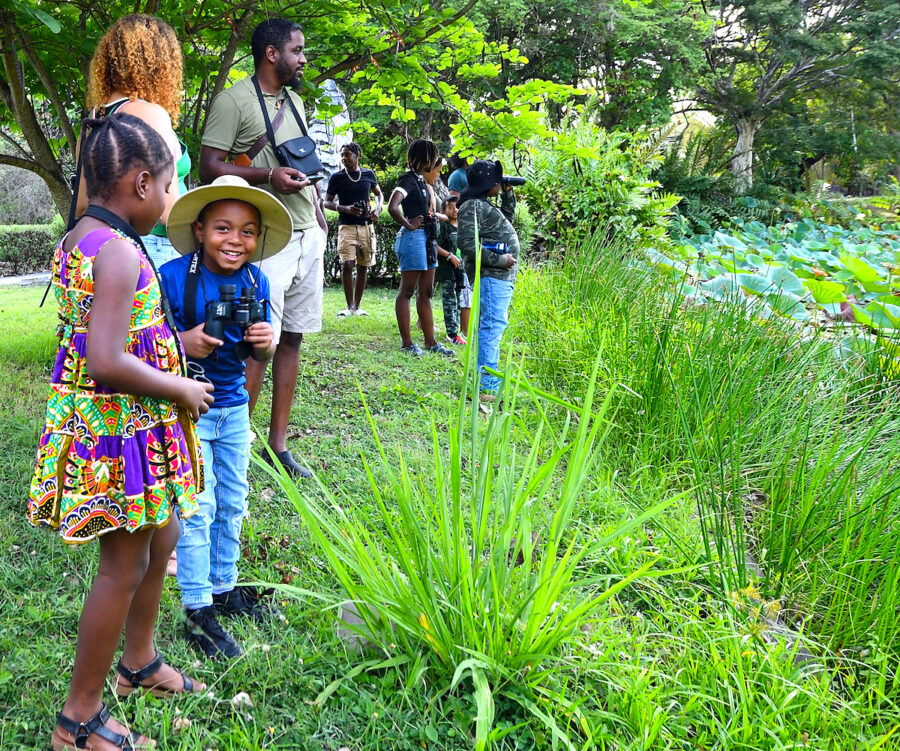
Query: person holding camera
416, 247
498, 247
356, 223
237, 141
220, 307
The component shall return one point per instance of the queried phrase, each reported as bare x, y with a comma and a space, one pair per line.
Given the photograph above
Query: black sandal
137, 677
81, 731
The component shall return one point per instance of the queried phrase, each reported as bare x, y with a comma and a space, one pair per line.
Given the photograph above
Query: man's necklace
350, 178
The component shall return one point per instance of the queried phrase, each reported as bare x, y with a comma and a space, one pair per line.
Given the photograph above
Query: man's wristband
269, 178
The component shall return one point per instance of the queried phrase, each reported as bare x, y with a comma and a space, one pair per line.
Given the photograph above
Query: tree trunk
742, 159
14, 96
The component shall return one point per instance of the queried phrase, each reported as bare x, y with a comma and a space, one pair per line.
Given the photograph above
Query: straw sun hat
274, 233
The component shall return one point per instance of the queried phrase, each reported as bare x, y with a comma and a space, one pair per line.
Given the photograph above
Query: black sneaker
204, 632
439, 349
285, 459
247, 601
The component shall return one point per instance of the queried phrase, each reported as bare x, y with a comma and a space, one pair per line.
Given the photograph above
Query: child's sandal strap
137, 677
81, 731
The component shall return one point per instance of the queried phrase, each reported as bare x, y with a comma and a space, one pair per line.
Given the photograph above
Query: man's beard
288, 76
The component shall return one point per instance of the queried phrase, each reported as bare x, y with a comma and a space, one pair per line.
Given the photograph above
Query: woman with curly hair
136, 69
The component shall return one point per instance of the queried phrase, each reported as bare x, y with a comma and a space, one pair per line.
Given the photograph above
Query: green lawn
286, 666
677, 660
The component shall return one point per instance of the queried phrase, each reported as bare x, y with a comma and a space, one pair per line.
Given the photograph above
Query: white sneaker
360, 312
344, 313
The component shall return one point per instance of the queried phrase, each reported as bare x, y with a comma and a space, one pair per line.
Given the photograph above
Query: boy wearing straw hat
219, 302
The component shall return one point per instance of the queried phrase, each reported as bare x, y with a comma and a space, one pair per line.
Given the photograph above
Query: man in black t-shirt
352, 187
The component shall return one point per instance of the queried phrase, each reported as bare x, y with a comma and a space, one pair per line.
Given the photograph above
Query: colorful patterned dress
107, 460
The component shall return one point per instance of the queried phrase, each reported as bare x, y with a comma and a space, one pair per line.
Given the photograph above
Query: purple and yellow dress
108, 460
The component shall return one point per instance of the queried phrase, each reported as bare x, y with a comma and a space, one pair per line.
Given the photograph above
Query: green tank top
182, 167
182, 170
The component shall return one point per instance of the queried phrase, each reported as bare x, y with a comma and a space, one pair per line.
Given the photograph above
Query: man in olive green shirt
234, 125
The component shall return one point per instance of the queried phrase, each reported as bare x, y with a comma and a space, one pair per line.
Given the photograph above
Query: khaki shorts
296, 279
356, 242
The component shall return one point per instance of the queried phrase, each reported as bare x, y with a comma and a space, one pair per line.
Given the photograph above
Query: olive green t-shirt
235, 122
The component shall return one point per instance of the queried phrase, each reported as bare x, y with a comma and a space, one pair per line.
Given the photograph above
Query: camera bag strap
244, 160
119, 224
191, 281
270, 131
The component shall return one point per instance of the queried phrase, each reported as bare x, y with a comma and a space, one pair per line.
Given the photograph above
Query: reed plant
789, 451
478, 571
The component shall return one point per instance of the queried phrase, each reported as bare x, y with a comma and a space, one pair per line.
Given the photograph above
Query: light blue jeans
493, 318
209, 546
159, 249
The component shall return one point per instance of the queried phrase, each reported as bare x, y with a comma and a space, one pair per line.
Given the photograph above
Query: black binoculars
242, 312
512, 180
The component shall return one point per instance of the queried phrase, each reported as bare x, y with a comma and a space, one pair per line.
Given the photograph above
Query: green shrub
588, 179
792, 456
481, 577
385, 268
26, 248
695, 166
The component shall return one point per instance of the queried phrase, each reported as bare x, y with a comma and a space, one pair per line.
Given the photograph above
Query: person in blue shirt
220, 228
457, 182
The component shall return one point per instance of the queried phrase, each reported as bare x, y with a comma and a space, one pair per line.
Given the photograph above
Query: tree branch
357, 60
50, 88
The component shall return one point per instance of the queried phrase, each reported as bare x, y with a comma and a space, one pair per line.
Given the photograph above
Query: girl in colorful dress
118, 451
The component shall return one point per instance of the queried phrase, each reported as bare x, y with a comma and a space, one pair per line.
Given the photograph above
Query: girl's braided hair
422, 155
116, 144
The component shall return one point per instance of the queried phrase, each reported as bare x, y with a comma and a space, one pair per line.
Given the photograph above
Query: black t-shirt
349, 191
415, 201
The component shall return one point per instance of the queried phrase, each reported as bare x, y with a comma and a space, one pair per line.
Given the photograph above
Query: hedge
385, 269
26, 248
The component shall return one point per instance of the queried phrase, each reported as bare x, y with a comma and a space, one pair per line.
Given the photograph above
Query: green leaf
784, 279
861, 269
825, 292
755, 283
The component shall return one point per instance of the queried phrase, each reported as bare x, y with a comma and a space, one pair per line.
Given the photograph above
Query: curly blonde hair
140, 56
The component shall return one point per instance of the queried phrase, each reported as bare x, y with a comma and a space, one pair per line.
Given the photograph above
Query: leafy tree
393, 51
762, 54
855, 129
636, 55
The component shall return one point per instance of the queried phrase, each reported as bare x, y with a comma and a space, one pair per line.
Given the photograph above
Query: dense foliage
588, 179
25, 248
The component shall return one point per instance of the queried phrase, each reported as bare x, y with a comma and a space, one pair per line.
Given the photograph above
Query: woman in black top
416, 245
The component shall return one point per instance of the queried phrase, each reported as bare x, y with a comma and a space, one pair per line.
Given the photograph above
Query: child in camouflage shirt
456, 291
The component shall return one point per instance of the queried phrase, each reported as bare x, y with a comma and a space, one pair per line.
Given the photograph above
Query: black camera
364, 209
512, 181
242, 312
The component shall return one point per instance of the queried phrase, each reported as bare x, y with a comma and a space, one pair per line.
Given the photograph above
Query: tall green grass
790, 454
478, 570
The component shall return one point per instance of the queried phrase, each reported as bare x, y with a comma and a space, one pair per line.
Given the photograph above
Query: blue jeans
209, 546
492, 321
159, 249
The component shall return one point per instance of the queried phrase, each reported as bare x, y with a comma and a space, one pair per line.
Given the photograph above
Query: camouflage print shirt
494, 225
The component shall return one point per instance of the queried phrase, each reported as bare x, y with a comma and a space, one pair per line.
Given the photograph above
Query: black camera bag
297, 153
